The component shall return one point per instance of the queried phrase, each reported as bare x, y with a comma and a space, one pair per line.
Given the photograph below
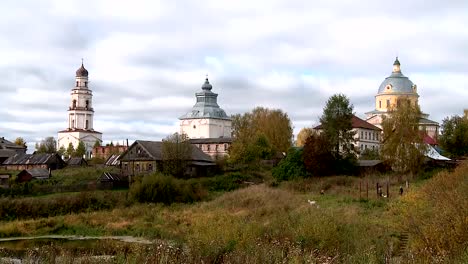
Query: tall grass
436, 216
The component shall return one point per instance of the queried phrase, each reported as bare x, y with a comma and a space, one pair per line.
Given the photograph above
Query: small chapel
80, 116
391, 91
207, 125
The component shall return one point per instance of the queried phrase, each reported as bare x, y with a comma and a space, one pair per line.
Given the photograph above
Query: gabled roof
357, 122
22, 159
111, 177
76, 161
425, 121
154, 150
6, 153
6, 144
37, 173
113, 160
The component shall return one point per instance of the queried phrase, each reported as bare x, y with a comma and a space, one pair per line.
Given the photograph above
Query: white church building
80, 116
207, 125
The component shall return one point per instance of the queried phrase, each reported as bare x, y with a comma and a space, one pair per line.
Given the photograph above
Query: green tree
302, 136
176, 152
259, 135
403, 146
97, 143
369, 154
292, 166
70, 150
62, 151
80, 150
454, 138
47, 145
337, 126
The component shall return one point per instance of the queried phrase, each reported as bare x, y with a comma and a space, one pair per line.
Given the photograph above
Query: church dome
82, 72
207, 85
397, 82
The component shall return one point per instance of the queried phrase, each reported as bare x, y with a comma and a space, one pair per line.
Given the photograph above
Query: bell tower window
87, 104
86, 84
74, 104
86, 124
77, 83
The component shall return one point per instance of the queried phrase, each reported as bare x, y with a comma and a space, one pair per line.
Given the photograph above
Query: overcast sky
146, 59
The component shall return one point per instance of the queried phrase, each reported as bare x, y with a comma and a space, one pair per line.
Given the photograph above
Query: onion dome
82, 72
207, 86
397, 82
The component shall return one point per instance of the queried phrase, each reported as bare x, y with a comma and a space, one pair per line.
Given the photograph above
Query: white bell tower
80, 116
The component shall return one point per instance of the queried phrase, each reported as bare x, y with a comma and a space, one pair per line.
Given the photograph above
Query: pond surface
24, 247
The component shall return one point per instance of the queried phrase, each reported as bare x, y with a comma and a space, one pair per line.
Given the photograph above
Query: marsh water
16, 249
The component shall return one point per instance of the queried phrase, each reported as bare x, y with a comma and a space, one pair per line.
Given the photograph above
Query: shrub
290, 167
24, 208
159, 188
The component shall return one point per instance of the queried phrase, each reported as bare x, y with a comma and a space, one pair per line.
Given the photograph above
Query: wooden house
144, 157
77, 162
111, 180
31, 161
9, 149
5, 180
33, 174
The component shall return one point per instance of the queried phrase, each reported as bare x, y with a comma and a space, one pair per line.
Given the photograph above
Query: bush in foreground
159, 188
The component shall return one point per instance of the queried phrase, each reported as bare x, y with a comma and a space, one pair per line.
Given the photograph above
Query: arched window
87, 123
74, 104
87, 104
86, 84
73, 123
77, 83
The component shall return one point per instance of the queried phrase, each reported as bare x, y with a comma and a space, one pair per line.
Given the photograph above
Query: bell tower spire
80, 115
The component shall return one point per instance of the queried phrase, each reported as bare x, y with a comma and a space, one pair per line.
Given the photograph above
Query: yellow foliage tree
303, 135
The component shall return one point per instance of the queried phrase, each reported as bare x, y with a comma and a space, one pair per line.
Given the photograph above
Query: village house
144, 157
31, 161
366, 135
9, 149
33, 174
77, 162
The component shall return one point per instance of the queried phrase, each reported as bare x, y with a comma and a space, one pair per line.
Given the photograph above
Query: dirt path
128, 239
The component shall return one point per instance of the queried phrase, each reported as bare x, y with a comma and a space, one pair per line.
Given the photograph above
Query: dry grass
262, 224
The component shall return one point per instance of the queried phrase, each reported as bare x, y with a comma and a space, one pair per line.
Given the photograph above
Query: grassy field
271, 223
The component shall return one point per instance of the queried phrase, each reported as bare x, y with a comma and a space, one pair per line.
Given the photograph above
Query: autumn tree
176, 153
454, 138
302, 136
20, 142
260, 134
80, 150
403, 148
47, 145
317, 155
